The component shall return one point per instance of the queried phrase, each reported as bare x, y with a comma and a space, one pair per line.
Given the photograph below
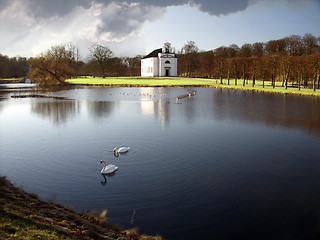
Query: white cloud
103, 24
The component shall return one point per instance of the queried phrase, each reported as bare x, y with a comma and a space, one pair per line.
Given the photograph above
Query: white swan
107, 169
121, 149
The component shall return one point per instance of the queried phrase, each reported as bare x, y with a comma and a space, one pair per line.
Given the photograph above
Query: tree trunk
244, 79
221, 72
253, 76
236, 74
102, 69
244, 74
273, 81
274, 74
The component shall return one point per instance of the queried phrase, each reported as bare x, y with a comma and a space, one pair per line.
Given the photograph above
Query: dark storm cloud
212, 7
222, 7
47, 8
4, 3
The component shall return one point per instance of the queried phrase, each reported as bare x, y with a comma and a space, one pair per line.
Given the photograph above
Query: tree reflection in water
100, 109
57, 111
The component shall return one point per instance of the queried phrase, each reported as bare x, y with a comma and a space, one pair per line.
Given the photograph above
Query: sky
137, 27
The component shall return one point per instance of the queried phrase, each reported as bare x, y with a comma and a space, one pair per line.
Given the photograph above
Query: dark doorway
167, 72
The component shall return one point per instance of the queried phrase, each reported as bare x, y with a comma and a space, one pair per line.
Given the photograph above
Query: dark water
218, 165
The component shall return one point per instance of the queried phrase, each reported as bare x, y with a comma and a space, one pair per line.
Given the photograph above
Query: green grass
25, 216
191, 82
15, 227
11, 79
135, 81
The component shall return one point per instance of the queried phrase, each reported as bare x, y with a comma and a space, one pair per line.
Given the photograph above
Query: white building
160, 63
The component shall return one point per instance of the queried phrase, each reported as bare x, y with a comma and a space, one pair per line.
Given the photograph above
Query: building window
168, 62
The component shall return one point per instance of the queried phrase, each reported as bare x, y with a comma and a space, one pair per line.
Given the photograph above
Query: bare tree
191, 52
295, 45
257, 49
74, 56
52, 67
101, 55
220, 62
233, 50
276, 47
285, 65
310, 43
253, 68
245, 50
207, 63
221, 52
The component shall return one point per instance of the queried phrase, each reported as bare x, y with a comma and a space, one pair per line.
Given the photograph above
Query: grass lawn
137, 81
191, 82
11, 79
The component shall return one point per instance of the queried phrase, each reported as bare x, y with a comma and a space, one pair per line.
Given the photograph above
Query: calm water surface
218, 165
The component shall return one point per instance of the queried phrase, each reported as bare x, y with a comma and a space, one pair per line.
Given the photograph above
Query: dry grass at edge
25, 216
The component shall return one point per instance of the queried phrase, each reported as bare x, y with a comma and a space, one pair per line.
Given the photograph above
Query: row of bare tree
293, 45
297, 71
15, 67
278, 66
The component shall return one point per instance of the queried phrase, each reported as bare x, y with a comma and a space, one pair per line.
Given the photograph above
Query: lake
222, 164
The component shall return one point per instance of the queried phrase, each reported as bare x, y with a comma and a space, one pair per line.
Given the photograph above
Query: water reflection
287, 111
104, 182
158, 110
158, 107
57, 111
100, 109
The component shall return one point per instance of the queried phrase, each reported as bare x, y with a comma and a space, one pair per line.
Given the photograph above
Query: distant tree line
15, 67
292, 60
63, 61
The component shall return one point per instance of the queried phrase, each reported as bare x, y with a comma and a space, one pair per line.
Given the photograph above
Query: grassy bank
25, 216
192, 82
11, 80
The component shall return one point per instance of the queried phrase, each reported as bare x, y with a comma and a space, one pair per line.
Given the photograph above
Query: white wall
150, 67
172, 66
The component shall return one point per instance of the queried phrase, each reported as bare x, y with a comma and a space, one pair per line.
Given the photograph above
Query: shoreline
191, 82
23, 215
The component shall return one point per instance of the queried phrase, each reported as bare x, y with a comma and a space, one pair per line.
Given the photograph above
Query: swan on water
107, 169
121, 149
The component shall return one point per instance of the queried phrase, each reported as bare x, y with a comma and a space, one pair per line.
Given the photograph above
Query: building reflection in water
154, 102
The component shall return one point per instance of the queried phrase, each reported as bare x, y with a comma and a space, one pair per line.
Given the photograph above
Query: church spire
166, 48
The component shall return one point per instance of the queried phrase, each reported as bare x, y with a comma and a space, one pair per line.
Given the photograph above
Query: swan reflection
105, 177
